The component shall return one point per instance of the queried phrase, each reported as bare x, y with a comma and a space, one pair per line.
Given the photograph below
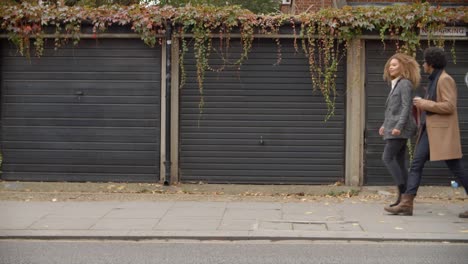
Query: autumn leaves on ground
67, 191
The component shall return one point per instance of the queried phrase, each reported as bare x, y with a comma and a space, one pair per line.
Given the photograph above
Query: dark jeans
394, 158
421, 155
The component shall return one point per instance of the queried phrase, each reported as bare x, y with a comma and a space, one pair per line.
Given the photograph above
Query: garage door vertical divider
355, 113
175, 110
167, 126
162, 149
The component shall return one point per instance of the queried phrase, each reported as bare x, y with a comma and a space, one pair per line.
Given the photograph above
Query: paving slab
188, 223
320, 227
252, 213
64, 223
238, 225
272, 225
202, 211
125, 224
135, 213
10, 222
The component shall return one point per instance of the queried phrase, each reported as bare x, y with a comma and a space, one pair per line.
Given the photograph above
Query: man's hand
418, 101
381, 131
396, 132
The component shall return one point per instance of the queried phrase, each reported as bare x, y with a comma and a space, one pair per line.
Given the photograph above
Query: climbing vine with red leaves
324, 35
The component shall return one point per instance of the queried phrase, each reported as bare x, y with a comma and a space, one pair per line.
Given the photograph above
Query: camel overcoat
442, 125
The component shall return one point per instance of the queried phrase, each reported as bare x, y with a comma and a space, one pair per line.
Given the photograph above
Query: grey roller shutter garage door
261, 123
435, 173
82, 113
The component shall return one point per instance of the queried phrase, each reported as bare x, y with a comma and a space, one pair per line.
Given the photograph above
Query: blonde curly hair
410, 69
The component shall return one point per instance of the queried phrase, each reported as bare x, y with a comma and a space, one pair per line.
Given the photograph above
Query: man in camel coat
439, 132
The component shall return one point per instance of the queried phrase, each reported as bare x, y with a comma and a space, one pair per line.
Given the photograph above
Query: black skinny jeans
394, 157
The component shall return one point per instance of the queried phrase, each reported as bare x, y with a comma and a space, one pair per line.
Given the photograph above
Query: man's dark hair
435, 57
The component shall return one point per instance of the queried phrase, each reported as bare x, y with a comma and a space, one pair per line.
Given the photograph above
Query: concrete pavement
332, 219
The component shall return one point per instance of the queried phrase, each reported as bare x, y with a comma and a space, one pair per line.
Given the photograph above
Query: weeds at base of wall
349, 193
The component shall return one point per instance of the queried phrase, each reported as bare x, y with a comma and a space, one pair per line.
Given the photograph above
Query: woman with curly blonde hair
402, 72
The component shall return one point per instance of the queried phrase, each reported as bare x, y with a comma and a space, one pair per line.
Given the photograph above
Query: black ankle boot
401, 190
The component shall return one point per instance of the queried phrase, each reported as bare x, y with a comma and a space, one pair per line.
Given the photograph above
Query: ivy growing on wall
324, 35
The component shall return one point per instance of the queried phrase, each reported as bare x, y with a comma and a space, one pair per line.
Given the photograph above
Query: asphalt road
215, 252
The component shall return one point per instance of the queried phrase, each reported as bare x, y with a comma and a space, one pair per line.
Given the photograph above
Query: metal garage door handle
261, 141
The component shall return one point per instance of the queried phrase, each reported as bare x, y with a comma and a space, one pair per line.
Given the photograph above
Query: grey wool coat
399, 111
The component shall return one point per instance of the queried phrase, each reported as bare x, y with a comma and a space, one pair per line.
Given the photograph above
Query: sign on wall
446, 32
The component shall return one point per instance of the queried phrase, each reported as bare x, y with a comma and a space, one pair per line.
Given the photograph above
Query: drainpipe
167, 162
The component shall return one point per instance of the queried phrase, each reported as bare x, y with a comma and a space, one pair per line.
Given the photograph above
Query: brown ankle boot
404, 208
463, 214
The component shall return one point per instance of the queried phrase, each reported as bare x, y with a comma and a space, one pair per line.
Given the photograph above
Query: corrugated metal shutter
84, 113
261, 123
435, 173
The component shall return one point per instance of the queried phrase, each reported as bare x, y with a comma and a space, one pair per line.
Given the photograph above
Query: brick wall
439, 2
303, 5
299, 6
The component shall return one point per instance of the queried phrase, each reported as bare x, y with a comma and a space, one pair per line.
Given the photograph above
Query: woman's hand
381, 131
396, 132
